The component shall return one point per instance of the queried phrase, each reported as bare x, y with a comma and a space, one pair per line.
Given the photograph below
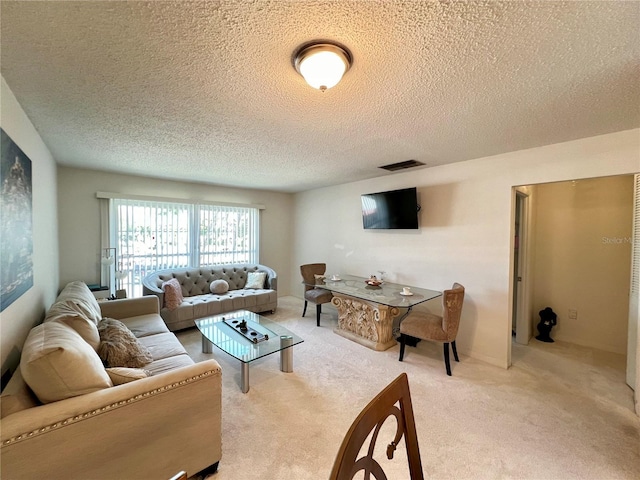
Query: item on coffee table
242, 327
373, 281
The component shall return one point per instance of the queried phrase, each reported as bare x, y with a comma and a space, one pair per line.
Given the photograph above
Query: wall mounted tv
395, 209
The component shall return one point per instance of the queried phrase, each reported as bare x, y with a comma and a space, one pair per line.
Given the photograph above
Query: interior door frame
633, 335
523, 318
522, 293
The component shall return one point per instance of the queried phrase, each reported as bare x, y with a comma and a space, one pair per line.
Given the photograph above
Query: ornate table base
365, 322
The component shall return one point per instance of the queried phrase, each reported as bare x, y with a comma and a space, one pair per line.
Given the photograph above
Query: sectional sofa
199, 300
64, 415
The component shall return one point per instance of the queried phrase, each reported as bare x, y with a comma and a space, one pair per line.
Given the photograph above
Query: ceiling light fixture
322, 64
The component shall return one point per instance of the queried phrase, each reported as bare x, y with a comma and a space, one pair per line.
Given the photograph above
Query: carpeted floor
561, 411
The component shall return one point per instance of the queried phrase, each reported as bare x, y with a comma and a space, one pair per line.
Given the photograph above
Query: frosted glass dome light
322, 64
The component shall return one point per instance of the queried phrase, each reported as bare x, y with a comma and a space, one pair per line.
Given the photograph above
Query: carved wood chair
439, 328
179, 476
312, 294
372, 417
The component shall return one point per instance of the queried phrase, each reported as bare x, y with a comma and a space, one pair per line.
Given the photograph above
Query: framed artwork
16, 222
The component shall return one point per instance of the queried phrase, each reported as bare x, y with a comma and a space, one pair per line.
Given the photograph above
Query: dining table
367, 307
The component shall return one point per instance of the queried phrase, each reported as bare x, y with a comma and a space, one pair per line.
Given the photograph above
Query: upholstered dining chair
311, 293
347, 464
443, 329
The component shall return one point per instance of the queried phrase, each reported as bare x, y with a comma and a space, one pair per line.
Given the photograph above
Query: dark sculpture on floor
547, 320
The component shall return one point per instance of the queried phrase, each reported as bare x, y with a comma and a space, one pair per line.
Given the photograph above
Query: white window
154, 235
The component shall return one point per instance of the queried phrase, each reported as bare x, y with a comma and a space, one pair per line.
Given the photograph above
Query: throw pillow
57, 363
219, 287
255, 280
119, 347
65, 312
120, 375
172, 294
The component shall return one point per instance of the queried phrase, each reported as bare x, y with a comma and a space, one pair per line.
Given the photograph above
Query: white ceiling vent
392, 167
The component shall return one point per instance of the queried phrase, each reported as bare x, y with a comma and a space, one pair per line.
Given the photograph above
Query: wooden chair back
372, 417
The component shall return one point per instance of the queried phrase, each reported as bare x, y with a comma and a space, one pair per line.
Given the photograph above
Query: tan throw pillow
84, 301
65, 312
172, 294
57, 363
119, 347
255, 280
120, 375
219, 287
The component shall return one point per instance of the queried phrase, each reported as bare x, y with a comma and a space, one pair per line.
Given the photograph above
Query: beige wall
28, 310
464, 236
583, 259
466, 220
79, 217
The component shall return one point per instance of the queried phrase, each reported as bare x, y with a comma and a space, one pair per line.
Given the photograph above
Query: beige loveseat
149, 428
200, 302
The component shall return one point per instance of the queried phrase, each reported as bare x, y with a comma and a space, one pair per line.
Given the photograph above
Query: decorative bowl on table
373, 282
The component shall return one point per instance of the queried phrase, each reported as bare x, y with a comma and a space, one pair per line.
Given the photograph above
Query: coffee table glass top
386, 294
231, 341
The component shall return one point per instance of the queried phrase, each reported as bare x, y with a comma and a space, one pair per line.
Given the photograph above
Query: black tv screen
396, 209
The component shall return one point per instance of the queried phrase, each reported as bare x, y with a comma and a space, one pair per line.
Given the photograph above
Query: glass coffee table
259, 337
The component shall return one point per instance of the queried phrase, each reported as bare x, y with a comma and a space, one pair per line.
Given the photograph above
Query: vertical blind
154, 235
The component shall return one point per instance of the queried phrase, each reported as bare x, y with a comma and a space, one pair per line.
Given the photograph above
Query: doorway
580, 231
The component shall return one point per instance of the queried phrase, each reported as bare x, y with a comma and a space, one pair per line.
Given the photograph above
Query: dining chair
438, 328
311, 293
180, 476
371, 419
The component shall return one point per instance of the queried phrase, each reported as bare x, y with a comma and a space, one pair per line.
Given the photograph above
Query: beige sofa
198, 300
151, 427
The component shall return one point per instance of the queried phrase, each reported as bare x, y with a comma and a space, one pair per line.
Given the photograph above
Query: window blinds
154, 235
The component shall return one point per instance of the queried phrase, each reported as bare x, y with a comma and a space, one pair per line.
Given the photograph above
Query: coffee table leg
207, 346
286, 354
244, 377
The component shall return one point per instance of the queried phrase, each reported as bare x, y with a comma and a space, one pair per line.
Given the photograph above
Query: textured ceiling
205, 91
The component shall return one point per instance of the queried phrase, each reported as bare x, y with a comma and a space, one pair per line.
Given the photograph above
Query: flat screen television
395, 209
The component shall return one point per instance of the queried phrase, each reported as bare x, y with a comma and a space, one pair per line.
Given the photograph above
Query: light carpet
560, 412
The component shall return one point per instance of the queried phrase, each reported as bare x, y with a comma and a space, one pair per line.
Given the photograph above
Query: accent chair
310, 272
